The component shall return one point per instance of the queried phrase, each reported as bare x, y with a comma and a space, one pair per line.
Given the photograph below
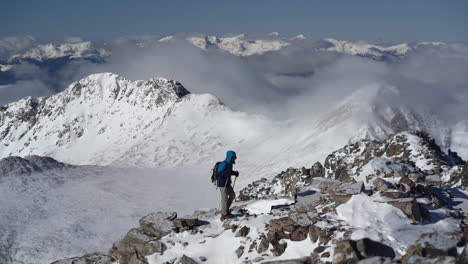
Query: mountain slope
144, 123
158, 123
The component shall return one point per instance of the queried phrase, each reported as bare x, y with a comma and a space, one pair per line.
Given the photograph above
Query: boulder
243, 232
381, 185
240, 251
158, 224
322, 235
278, 248
263, 245
407, 181
137, 241
299, 234
412, 209
185, 260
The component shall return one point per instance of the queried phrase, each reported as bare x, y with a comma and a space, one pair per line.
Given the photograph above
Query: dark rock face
368, 248
94, 258
15, 166
350, 251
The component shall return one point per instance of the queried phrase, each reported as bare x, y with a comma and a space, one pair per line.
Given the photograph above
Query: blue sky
409, 20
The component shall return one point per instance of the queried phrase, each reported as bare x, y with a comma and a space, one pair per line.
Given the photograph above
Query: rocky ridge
321, 220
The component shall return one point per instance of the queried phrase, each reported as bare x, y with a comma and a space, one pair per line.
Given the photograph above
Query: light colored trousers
227, 197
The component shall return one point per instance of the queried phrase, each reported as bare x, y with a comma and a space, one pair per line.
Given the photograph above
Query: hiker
224, 174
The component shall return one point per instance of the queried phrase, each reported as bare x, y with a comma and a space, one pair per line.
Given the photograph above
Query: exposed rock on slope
402, 154
327, 221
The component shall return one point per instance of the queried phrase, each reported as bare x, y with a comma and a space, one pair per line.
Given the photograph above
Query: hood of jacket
229, 156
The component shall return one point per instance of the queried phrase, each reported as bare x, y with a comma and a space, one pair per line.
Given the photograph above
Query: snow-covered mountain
248, 45
239, 45
44, 52
155, 123
158, 123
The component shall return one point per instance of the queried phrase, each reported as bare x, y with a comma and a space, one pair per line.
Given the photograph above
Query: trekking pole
234, 184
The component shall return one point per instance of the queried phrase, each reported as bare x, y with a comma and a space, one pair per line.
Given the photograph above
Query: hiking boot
227, 216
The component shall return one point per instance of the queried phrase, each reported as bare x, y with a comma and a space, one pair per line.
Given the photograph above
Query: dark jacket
225, 171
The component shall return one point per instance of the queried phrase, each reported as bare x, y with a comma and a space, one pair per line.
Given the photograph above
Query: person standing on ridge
224, 174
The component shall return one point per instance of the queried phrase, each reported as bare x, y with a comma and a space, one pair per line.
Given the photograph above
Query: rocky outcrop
144, 240
282, 185
402, 153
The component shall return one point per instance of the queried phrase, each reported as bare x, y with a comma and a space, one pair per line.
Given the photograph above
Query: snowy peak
109, 87
100, 104
44, 52
152, 123
239, 45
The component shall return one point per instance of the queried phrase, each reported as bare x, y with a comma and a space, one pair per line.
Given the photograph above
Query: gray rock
243, 232
263, 245
278, 248
185, 260
158, 224
382, 185
412, 209
258, 259
137, 241
202, 258
328, 186
240, 251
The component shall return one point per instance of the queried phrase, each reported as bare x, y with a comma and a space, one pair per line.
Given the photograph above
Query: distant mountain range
238, 45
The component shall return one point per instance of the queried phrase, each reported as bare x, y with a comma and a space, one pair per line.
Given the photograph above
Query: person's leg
224, 201
231, 196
